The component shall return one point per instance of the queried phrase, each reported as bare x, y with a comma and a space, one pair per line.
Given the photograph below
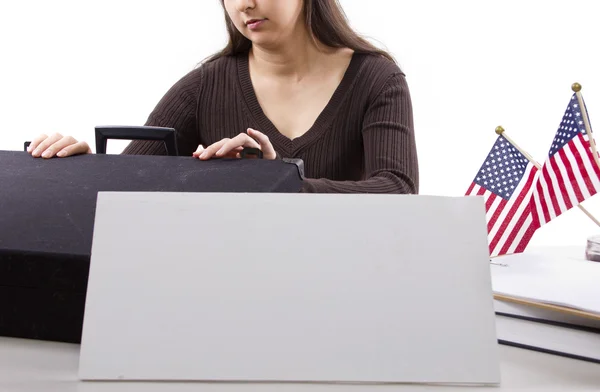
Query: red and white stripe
510, 223
567, 178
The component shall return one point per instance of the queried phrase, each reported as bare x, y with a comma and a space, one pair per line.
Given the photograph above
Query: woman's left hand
231, 148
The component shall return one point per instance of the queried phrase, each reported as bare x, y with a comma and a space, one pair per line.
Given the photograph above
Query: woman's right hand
57, 145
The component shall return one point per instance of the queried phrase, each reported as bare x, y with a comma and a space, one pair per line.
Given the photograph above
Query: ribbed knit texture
362, 142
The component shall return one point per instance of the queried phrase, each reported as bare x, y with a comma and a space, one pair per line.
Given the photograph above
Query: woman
296, 82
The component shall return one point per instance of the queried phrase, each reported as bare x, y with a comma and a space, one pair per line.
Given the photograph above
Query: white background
69, 65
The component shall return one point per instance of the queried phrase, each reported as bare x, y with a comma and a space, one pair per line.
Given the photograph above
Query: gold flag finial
499, 130
576, 87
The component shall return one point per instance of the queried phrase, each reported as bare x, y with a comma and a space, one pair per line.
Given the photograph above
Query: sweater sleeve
390, 156
176, 109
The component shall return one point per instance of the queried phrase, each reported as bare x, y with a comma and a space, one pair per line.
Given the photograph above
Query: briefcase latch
251, 153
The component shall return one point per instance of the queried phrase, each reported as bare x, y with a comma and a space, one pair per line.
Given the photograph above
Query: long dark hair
326, 22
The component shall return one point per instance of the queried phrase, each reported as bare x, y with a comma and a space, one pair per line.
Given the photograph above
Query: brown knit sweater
362, 142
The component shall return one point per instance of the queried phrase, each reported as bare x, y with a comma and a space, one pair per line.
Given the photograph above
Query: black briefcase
47, 210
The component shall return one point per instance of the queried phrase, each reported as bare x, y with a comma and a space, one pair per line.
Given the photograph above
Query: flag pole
500, 131
576, 87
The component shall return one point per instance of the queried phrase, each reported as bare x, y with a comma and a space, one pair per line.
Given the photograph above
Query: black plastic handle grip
105, 132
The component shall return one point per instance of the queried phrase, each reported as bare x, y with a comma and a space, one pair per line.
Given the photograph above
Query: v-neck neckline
322, 122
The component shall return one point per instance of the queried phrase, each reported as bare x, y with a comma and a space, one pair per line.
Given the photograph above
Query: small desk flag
506, 180
569, 175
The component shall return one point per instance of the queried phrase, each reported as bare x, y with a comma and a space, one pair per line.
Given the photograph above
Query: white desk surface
36, 366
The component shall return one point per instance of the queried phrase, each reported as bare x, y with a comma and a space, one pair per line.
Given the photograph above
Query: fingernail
28, 148
47, 154
198, 151
220, 152
36, 151
61, 154
203, 154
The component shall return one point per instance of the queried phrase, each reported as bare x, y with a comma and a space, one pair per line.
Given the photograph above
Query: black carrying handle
105, 132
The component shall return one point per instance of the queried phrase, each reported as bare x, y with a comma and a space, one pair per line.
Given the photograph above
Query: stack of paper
548, 302
563, 281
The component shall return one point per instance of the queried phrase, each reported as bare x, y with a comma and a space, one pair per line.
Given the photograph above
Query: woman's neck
293, 59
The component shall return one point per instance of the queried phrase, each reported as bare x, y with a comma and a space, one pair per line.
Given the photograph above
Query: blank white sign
289, 287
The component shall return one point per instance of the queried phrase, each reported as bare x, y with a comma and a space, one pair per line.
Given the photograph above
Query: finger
210, 151
35, 142
235, 153
240, 141
37, 152
74, 149
59, 145
198, 151
265, 143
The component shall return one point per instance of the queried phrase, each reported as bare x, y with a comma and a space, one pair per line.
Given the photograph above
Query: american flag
570, 174
506, 180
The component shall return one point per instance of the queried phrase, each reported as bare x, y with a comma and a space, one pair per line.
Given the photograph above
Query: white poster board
289, 287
